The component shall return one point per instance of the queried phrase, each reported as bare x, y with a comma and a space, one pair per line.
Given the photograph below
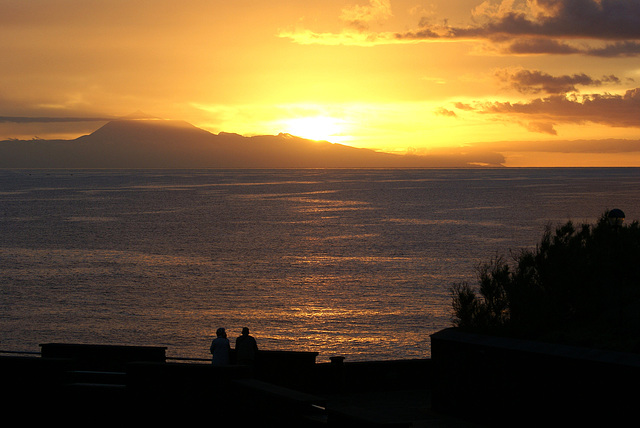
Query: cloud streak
606, 146
535, 81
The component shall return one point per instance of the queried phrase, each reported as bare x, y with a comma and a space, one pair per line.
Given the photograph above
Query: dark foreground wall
501, 381
89, 384
102, 357
359, 376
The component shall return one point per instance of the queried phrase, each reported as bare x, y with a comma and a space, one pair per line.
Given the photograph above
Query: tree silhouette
580, 285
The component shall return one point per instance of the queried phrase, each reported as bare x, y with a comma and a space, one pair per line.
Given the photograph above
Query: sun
319, 128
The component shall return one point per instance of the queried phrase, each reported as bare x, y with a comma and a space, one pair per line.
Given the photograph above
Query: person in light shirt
220, 348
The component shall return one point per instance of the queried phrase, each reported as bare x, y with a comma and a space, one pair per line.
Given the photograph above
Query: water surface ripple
342, 262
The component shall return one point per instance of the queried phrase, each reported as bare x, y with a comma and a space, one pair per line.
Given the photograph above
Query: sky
542, 82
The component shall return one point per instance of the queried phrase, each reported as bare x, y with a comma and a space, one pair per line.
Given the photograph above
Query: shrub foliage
580, 285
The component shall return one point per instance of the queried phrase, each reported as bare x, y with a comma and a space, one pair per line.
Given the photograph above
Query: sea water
357, 263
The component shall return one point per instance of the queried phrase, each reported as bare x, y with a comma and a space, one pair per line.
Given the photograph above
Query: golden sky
543, 82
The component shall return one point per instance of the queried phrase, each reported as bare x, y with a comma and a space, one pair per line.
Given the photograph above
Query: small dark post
337, 361
337, 372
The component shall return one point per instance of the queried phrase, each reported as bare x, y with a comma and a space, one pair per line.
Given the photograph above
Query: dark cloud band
23, 119
542, 113
549, 30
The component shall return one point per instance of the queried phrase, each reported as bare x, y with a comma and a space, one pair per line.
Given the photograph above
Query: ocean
350, 262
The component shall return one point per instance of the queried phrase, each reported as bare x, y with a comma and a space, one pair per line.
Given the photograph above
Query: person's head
245, 331
221, 332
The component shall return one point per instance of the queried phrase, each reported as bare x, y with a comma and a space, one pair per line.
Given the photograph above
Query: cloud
445, 112
464, 106
536, 45
362, 16
539, 115
358, 19
591, 19
541, 27
534, 81
618, 49
542, 127
533, 45
346, 37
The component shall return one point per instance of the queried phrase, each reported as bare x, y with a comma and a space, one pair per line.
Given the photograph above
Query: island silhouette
141, 141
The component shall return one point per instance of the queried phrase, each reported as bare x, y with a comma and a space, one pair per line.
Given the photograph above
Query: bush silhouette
579, 286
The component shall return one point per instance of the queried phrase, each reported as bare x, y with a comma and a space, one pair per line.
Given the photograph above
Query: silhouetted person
220, 348
246, 348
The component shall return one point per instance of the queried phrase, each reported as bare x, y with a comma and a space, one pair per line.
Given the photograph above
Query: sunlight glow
319, 128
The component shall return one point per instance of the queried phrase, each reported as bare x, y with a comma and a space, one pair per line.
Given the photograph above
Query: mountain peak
138, 115
139, 127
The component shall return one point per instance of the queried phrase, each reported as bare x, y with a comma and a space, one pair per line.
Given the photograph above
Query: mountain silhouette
140, 141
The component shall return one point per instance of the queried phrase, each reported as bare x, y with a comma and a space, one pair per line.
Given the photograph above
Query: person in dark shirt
246, 348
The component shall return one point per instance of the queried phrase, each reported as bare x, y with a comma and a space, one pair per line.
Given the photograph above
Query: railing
207, 360
19, 352
38, 353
